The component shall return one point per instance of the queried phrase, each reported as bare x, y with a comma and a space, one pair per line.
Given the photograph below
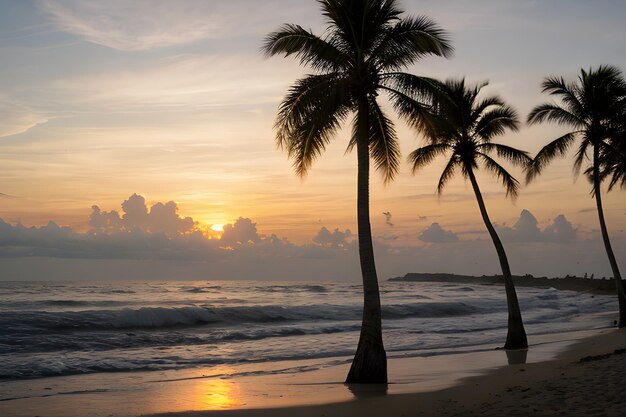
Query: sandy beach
584, 380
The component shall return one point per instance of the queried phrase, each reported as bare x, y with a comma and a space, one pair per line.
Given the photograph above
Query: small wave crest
160, 317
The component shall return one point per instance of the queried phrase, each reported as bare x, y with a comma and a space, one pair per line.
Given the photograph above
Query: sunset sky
173, 101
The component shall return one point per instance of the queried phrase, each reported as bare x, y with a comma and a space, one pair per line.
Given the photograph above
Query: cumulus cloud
160, 218
242, 232
526, 229
436, 234
142, 242
561, 230
337, 238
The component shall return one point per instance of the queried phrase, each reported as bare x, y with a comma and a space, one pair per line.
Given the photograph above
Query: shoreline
281, 391
584, 379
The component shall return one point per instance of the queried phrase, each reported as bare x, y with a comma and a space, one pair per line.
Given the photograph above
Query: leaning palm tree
362, 52
594, 107
461, 127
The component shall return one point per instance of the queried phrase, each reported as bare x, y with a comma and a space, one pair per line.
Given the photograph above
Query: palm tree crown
362, 52
593, 107
365, 46
463, 126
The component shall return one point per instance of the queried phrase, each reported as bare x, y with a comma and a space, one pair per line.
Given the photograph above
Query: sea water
50, 329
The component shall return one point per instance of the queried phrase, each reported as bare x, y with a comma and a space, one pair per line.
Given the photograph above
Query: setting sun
217, 227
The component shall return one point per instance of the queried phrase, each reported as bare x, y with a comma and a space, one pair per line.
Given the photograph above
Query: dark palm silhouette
362, 52
593, 107
613, 155
462, 127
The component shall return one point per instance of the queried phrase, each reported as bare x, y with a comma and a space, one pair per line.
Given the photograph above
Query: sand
565, 386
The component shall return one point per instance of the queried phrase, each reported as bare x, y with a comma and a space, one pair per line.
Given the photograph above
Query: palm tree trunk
605, 237
370, 361
516, 336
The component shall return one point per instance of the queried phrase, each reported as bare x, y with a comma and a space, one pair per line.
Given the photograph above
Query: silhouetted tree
362, 52
594, 107
461, 127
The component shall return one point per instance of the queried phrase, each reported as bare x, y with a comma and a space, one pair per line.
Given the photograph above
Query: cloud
242, 232
337, 238
561, 230
436, 234
526, 229
154, 242
151, 24
136, 25
15, 118
192, 81
161, 218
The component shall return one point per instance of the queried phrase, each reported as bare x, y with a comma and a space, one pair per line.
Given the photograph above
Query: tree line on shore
365, 48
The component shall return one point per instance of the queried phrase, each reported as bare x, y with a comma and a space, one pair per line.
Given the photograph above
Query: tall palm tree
594, 107
461, 127
362, 52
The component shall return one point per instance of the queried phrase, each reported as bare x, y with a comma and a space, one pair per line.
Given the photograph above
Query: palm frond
409, 40
581, 155
412, 97
306, 95
550, 112
511, 185
447, 174
423, 156
484, 104
495, 121
557, 148
320, 54
613, 160
516, 156
383, 142
309, 116
569, 93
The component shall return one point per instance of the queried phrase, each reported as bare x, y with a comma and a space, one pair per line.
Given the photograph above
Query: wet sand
586, 379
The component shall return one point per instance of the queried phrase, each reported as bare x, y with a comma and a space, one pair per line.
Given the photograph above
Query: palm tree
594, 107
362, 52
461, 127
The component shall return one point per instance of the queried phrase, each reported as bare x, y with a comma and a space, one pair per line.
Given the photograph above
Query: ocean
66, 328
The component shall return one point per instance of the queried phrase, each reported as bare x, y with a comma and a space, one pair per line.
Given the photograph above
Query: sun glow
217, 227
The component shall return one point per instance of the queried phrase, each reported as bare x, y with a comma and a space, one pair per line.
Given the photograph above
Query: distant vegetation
600, 286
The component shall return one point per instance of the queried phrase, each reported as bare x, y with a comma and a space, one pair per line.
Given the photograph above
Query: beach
586, 379
552, 381
129, 349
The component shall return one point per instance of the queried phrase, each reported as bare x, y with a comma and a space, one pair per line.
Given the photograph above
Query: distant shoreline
594, 285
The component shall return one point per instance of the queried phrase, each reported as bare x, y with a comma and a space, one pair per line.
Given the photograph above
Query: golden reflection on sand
215, 394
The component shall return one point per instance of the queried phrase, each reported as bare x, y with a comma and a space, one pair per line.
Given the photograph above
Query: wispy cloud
152, 24
186, 82
15, 118
136, 25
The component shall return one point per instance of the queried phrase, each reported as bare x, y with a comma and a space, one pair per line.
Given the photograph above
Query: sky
168, 107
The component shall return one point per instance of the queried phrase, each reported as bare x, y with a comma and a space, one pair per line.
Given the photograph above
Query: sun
217, 227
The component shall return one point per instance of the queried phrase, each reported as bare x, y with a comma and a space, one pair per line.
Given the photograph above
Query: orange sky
92, 114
